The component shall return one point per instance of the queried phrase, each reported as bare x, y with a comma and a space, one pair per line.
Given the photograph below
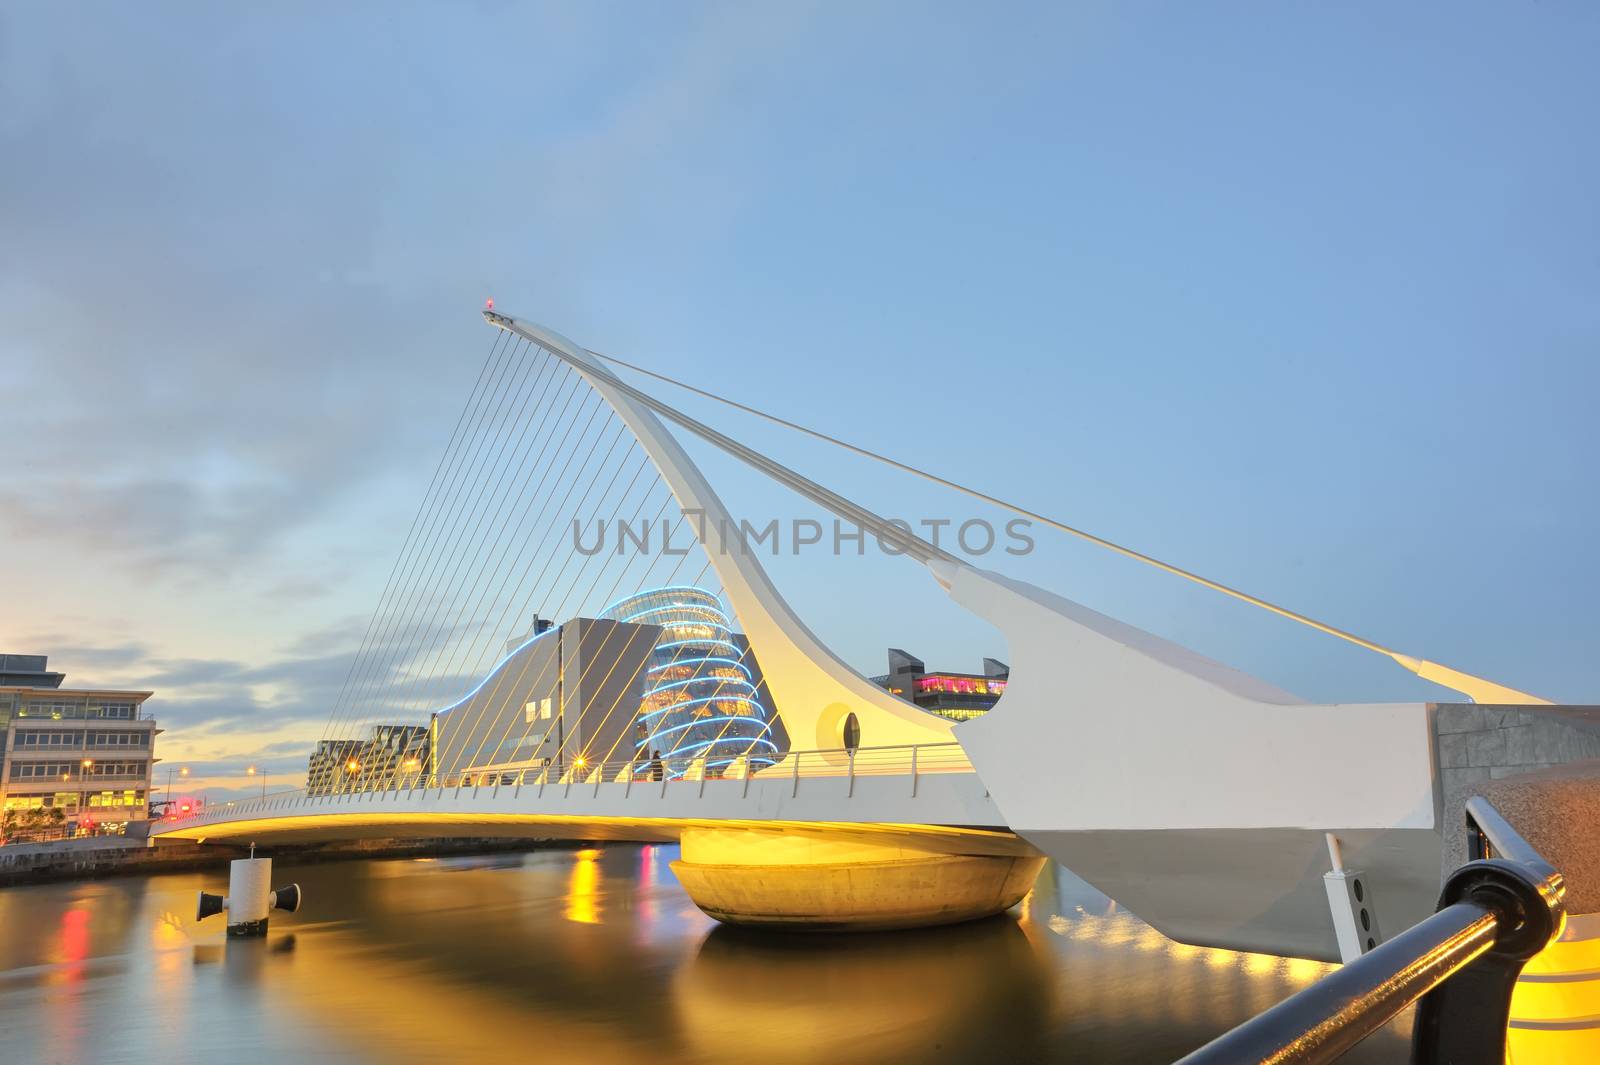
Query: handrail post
1464, 1020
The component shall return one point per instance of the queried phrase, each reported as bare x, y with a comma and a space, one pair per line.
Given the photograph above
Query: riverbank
109, 856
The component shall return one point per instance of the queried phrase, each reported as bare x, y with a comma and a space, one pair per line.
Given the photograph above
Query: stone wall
1479, 744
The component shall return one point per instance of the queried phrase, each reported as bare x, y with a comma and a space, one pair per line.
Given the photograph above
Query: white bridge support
1194, 794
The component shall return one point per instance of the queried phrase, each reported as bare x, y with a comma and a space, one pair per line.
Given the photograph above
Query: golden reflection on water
595, 955
583, 893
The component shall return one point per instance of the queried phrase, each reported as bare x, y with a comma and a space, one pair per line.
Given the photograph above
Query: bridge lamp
88, 763
352, 766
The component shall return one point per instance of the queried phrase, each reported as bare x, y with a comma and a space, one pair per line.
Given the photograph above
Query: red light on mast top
488, 304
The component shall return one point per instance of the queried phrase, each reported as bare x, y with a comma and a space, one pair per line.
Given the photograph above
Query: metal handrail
915, 760
1459, 966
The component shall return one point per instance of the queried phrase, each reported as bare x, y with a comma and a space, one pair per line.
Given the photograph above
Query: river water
595, 955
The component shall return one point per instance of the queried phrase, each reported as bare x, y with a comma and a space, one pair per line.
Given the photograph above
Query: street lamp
182, 773
250, 772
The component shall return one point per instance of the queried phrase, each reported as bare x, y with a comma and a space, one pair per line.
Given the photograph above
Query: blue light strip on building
497, 667
712, 743
711, 658
699, 702
721, 682
634, 618
701, 723
708, 642
699, 654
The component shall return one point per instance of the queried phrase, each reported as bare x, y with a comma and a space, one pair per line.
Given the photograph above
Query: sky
1301, 297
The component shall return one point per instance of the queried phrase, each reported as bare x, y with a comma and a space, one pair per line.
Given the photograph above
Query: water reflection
978, 991
595, 955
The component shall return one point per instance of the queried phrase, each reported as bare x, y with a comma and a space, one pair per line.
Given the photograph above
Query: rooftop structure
957, 696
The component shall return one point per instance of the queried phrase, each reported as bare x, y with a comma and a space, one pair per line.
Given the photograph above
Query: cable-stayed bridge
525, 675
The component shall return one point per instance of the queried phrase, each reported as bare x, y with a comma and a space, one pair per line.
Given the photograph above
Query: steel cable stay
560, 612
429, 666
560, 754
1479, 689
426, 511
491, 631
535, 591
435, 596
413, 651
470, 656
394, 635
422, 508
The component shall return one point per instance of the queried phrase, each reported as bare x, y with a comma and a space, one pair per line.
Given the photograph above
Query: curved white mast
813, 690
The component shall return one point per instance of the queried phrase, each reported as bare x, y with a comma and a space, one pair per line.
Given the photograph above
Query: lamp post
250, 772
182, 773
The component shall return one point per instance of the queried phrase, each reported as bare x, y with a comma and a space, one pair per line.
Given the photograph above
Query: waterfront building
77, 758
957, 696
704, 700
386, 755
328, 764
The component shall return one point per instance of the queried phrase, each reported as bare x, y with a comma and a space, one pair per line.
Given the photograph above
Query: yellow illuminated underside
362, 825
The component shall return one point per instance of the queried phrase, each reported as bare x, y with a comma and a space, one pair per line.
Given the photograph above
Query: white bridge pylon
813, 690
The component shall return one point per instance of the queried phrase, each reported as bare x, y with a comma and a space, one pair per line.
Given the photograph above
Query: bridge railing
638, 775
1459, 967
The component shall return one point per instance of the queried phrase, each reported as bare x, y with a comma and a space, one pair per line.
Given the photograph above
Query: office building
387, 754
957, 696
75, 759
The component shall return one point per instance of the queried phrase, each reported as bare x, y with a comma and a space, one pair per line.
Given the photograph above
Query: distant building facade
957, 696
386, 755
563, 699
77, 757
658, 671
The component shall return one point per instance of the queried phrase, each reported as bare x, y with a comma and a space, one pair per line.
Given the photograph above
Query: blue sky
1300, 297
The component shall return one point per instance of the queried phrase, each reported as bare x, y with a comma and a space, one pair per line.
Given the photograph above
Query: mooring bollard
250, 897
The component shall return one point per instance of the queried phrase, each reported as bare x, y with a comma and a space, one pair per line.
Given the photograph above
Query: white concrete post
1350, 904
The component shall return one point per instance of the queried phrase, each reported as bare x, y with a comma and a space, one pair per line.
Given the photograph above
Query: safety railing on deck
643, 776
1459, 966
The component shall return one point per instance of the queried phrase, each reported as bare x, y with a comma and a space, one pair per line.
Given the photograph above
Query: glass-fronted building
73, 759
703, 696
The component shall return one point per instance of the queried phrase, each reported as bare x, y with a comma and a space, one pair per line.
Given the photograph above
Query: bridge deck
944, 803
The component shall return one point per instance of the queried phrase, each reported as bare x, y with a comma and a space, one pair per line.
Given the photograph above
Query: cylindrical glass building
699, 697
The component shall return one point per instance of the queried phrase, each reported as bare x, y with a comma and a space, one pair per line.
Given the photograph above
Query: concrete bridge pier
787, 877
